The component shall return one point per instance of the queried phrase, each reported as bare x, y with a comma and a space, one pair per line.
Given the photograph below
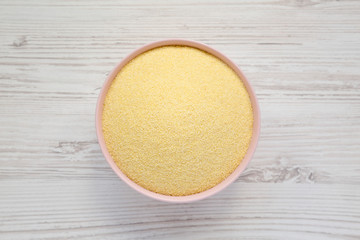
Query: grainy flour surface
177, 120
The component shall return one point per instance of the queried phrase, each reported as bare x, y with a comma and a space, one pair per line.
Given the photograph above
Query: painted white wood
302, 57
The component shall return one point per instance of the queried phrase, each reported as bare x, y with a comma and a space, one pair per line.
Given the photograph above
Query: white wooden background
302, 57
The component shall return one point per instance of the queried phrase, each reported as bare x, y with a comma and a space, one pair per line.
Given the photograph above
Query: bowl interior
230, 178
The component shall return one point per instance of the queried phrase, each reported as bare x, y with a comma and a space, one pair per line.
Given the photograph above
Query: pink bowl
201, 195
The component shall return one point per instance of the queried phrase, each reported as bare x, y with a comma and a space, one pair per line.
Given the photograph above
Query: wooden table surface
302, 58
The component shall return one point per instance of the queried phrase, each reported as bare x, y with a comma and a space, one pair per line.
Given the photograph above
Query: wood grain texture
302, 58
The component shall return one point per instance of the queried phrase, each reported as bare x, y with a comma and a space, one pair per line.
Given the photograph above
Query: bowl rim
227, 181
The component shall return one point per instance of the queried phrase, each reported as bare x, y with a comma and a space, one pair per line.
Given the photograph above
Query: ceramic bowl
189, 198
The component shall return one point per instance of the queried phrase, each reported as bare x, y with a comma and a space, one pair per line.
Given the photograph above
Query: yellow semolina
177, 120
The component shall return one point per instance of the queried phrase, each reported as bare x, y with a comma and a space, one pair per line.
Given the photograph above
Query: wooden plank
302, 57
